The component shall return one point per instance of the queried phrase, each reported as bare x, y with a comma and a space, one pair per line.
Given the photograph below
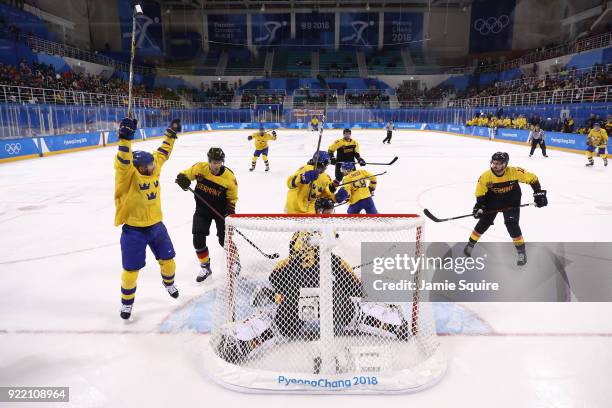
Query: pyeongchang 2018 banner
270, 29
491, 25
405, 29
149, 40
315, 29
227, 29
359, 29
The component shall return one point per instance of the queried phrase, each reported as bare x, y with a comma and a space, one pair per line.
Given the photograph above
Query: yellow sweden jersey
137, 197
261, 141
297, 196
358, 188
599, 138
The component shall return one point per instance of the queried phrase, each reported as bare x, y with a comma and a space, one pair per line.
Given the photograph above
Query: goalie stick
378, 164
372, 261
436, 219
203, 201
325, 86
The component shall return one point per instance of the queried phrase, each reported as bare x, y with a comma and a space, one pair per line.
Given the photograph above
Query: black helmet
215, 153
323, 204
501, 156
345, 131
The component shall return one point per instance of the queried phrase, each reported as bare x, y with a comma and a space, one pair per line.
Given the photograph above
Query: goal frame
235, 377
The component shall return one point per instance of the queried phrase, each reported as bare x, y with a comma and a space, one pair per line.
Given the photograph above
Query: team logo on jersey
144, 186
12, 148
491, 25
152, 196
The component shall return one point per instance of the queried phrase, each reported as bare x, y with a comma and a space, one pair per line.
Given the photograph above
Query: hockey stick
202, 200
364, 178
436, 219
135, 12
377, 164
372, 261
325, 86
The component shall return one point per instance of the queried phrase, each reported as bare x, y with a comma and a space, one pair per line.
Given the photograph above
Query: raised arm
162, 154
123, 161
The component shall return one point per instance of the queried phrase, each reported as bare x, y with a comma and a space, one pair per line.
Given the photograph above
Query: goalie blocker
301, 324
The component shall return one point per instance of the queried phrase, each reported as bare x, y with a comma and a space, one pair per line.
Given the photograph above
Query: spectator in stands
568, 125
40, 75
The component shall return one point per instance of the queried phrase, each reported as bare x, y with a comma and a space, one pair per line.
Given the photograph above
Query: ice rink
60, 267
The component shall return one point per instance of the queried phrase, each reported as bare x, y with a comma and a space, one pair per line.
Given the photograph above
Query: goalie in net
296, 317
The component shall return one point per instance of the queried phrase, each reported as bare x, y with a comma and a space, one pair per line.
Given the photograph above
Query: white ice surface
60, 266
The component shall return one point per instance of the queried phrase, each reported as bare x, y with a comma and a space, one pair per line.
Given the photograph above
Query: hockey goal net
290, 314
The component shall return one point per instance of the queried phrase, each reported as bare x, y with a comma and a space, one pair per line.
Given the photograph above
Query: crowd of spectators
215, 95
372, 98
564, 125
40, 75
557, 79
261, 98
313, 97
409, 94
548, 51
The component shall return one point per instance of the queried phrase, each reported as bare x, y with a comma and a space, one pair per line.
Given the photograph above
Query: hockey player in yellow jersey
314, 123
138, 208
597, 141
299, 184
499, 188
261, 146
348, 151
359, 185
217, 186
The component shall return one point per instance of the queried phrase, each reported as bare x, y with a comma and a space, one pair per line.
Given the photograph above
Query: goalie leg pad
381, 319
241, 341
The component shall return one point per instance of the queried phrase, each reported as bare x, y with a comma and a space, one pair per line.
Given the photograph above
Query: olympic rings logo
491, 25
12, 148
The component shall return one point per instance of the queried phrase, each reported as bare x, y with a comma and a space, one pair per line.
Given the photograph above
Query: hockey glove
231, 209
309, 176
332, 159
333, 186
361, 161
176, 125
479, 208
371, 190
274, 133
341, 195
127, 128
250, 137
183, 181
540, 198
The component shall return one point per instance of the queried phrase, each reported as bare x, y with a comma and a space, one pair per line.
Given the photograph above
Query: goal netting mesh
290, 314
